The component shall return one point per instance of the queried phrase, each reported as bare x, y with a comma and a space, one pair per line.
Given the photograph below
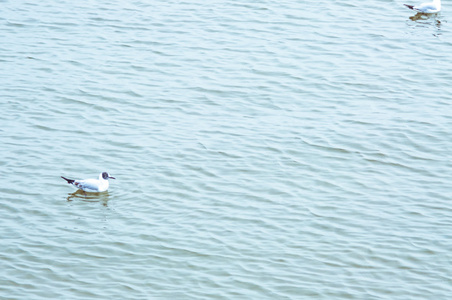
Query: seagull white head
105, 176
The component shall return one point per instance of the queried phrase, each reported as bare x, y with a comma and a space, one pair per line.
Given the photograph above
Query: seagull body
427, 8
91, 185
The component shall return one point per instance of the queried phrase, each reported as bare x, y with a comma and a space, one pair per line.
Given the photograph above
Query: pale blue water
262, 150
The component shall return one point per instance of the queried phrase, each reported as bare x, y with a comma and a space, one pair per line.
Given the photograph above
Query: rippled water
262, 150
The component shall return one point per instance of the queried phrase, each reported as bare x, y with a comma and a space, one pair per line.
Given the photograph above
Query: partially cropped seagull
427, 8
91, 185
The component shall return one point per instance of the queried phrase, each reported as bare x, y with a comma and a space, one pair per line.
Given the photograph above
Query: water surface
262, 150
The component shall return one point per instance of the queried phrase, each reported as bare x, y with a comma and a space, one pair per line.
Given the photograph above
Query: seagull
427, 7
91, 185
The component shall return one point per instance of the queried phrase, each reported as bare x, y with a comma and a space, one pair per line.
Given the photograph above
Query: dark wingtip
70, 181
409, 6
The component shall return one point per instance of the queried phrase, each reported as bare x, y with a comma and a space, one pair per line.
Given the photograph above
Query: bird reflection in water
424, 16
89, 197
426, 21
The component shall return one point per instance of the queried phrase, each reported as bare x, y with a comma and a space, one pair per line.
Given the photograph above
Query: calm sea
262, 150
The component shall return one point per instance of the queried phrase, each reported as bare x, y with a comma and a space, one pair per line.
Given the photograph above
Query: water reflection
89, 197
423, 16
426, 20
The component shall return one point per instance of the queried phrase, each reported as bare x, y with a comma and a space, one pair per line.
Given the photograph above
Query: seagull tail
70, 181
409, 6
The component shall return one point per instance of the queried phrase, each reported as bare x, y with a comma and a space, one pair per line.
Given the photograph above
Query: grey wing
90, 184
426, 7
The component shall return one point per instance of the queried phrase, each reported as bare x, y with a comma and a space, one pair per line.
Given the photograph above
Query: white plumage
427, 7
92, 185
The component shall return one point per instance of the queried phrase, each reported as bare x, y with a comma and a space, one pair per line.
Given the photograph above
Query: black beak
111, 177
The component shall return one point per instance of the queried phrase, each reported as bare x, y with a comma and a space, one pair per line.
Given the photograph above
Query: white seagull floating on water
427, 7
91, 185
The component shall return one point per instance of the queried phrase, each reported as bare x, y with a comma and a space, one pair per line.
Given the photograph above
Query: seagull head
105, 176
